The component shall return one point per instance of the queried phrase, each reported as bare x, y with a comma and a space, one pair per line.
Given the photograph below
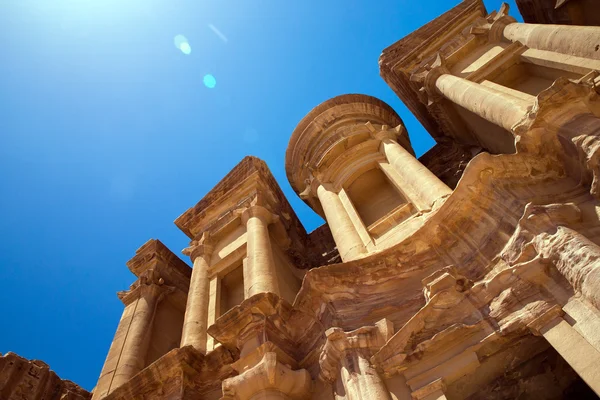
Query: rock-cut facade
471, 272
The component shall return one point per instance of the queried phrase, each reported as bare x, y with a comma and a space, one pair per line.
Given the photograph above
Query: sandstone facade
470, 273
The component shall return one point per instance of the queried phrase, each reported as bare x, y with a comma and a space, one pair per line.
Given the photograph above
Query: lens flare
181, 43
185, 48
209, 81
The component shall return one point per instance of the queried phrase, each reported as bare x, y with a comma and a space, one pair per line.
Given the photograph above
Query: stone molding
435, 387
492, 26
149, 284
546, 320
369, 338
258, 211
265, 317
268, 375
202, 247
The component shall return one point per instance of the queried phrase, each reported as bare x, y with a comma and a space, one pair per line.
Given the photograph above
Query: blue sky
108, 133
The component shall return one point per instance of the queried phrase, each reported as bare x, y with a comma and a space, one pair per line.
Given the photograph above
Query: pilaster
127, 354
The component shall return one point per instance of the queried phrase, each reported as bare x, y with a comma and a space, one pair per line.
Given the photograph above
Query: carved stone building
472, 272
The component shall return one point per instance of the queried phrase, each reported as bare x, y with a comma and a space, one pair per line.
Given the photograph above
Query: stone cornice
247, 180
184, 372
274, 320
152, 250
154, 255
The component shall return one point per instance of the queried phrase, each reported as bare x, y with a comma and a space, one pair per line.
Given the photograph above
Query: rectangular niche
232, 289
373, 196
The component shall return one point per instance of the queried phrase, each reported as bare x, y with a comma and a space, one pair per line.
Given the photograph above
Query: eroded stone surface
22, 379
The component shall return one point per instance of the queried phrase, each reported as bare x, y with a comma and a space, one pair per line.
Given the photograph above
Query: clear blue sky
108, 133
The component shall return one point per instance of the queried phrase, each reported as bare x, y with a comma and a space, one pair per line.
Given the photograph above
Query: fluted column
581, 41
127, 354
260, 274
195, 321
499, 108
347, 240
418, 183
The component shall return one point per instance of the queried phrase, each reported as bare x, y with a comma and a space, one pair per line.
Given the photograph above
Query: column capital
203, 246
148, 284
387, 133
493, 25
547, 319
370, 338
428, 76
260, 212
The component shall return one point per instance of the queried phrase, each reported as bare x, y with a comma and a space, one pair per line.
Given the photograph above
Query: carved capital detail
203, 246
538, 325
493, 25
260, 212
368, 338
148, 284
427, 76
269, 375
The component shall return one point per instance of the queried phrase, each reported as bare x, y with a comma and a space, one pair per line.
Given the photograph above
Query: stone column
195, 321
577, 351
347, 240
127, 354
346, 356
418, 183
581, 41
260, 274
499, 108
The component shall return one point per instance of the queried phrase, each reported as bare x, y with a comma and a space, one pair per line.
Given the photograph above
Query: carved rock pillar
418, 183
127, 354
346, 356
195, 322
577, 351
271, 337
582, 41
259, 272
499, 108
347, 240
268, 380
